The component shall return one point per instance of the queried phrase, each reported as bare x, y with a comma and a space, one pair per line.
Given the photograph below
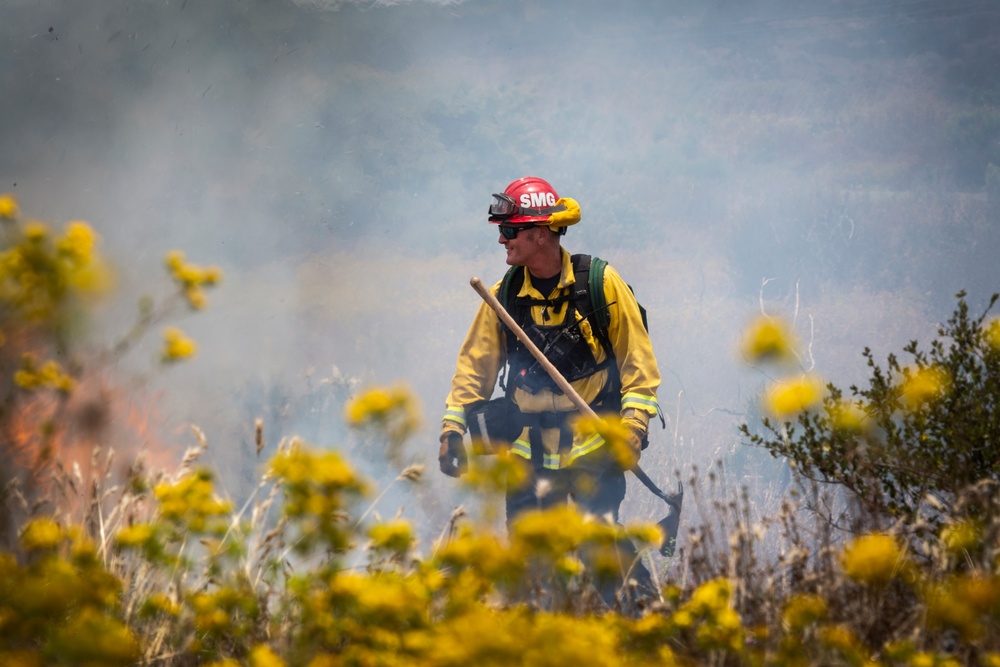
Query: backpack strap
511, 284
601, 316
509, 287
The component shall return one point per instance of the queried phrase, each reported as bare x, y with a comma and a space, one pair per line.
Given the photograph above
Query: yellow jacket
484, 351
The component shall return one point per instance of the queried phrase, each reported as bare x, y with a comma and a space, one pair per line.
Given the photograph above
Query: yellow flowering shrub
489, 557
47, 375
192, 504
63, 607
491, 475
318, 488
40, 271
191, 278
843, 642
394, 536
710, 617
41, 534
849, 416
922, 384
964, 604
873, 559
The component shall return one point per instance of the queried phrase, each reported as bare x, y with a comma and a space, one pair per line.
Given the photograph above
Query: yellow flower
570, 566
614, 433
768, 339
94, 277
948, 608
174, 260
803, 610
176, 345
648, 534
982, 593
41, 534
324, 469
262, 656
8, 207
387, 599
849, 416
394, 411
134, 536
395, 536
709, 613
838, 637
483, 552
873, 559
711, 596
36, 231
49, 375
191, 278
191, 500
195, 297
78, 241
90, 638
372, 405
923, 384
789, 397
159, 603
211, 275
552, 532
961, 537
991, 332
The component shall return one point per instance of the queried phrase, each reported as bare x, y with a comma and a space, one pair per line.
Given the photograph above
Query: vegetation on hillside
134, 566
911, 442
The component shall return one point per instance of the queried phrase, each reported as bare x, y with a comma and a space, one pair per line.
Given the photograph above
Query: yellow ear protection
568, 215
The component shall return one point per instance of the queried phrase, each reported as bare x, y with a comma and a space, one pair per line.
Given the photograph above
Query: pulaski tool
670, 523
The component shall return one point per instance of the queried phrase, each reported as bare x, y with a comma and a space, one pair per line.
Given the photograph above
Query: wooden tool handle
553, 372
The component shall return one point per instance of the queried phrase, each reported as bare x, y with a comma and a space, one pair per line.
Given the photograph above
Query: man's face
523, 246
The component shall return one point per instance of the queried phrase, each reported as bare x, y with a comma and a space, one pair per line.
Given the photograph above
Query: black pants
597, 492
597, 486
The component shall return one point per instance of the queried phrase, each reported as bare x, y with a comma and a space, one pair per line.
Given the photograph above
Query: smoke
826, 160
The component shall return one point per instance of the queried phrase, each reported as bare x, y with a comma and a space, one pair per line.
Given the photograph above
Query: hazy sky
336, 159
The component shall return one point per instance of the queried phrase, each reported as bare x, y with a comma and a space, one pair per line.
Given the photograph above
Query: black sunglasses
510, 232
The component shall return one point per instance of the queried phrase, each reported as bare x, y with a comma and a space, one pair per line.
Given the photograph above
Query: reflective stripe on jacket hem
589, 445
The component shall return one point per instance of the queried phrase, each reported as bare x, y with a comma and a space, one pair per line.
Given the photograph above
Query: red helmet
525, 201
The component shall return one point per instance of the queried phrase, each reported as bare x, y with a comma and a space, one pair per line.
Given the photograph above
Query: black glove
452, 457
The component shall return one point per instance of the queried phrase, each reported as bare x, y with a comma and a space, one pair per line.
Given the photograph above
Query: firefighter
613, 369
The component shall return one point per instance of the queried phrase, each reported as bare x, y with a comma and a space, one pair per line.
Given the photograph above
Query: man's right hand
451, 456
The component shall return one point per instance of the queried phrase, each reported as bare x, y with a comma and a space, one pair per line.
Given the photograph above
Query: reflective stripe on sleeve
642, 402
455, 414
